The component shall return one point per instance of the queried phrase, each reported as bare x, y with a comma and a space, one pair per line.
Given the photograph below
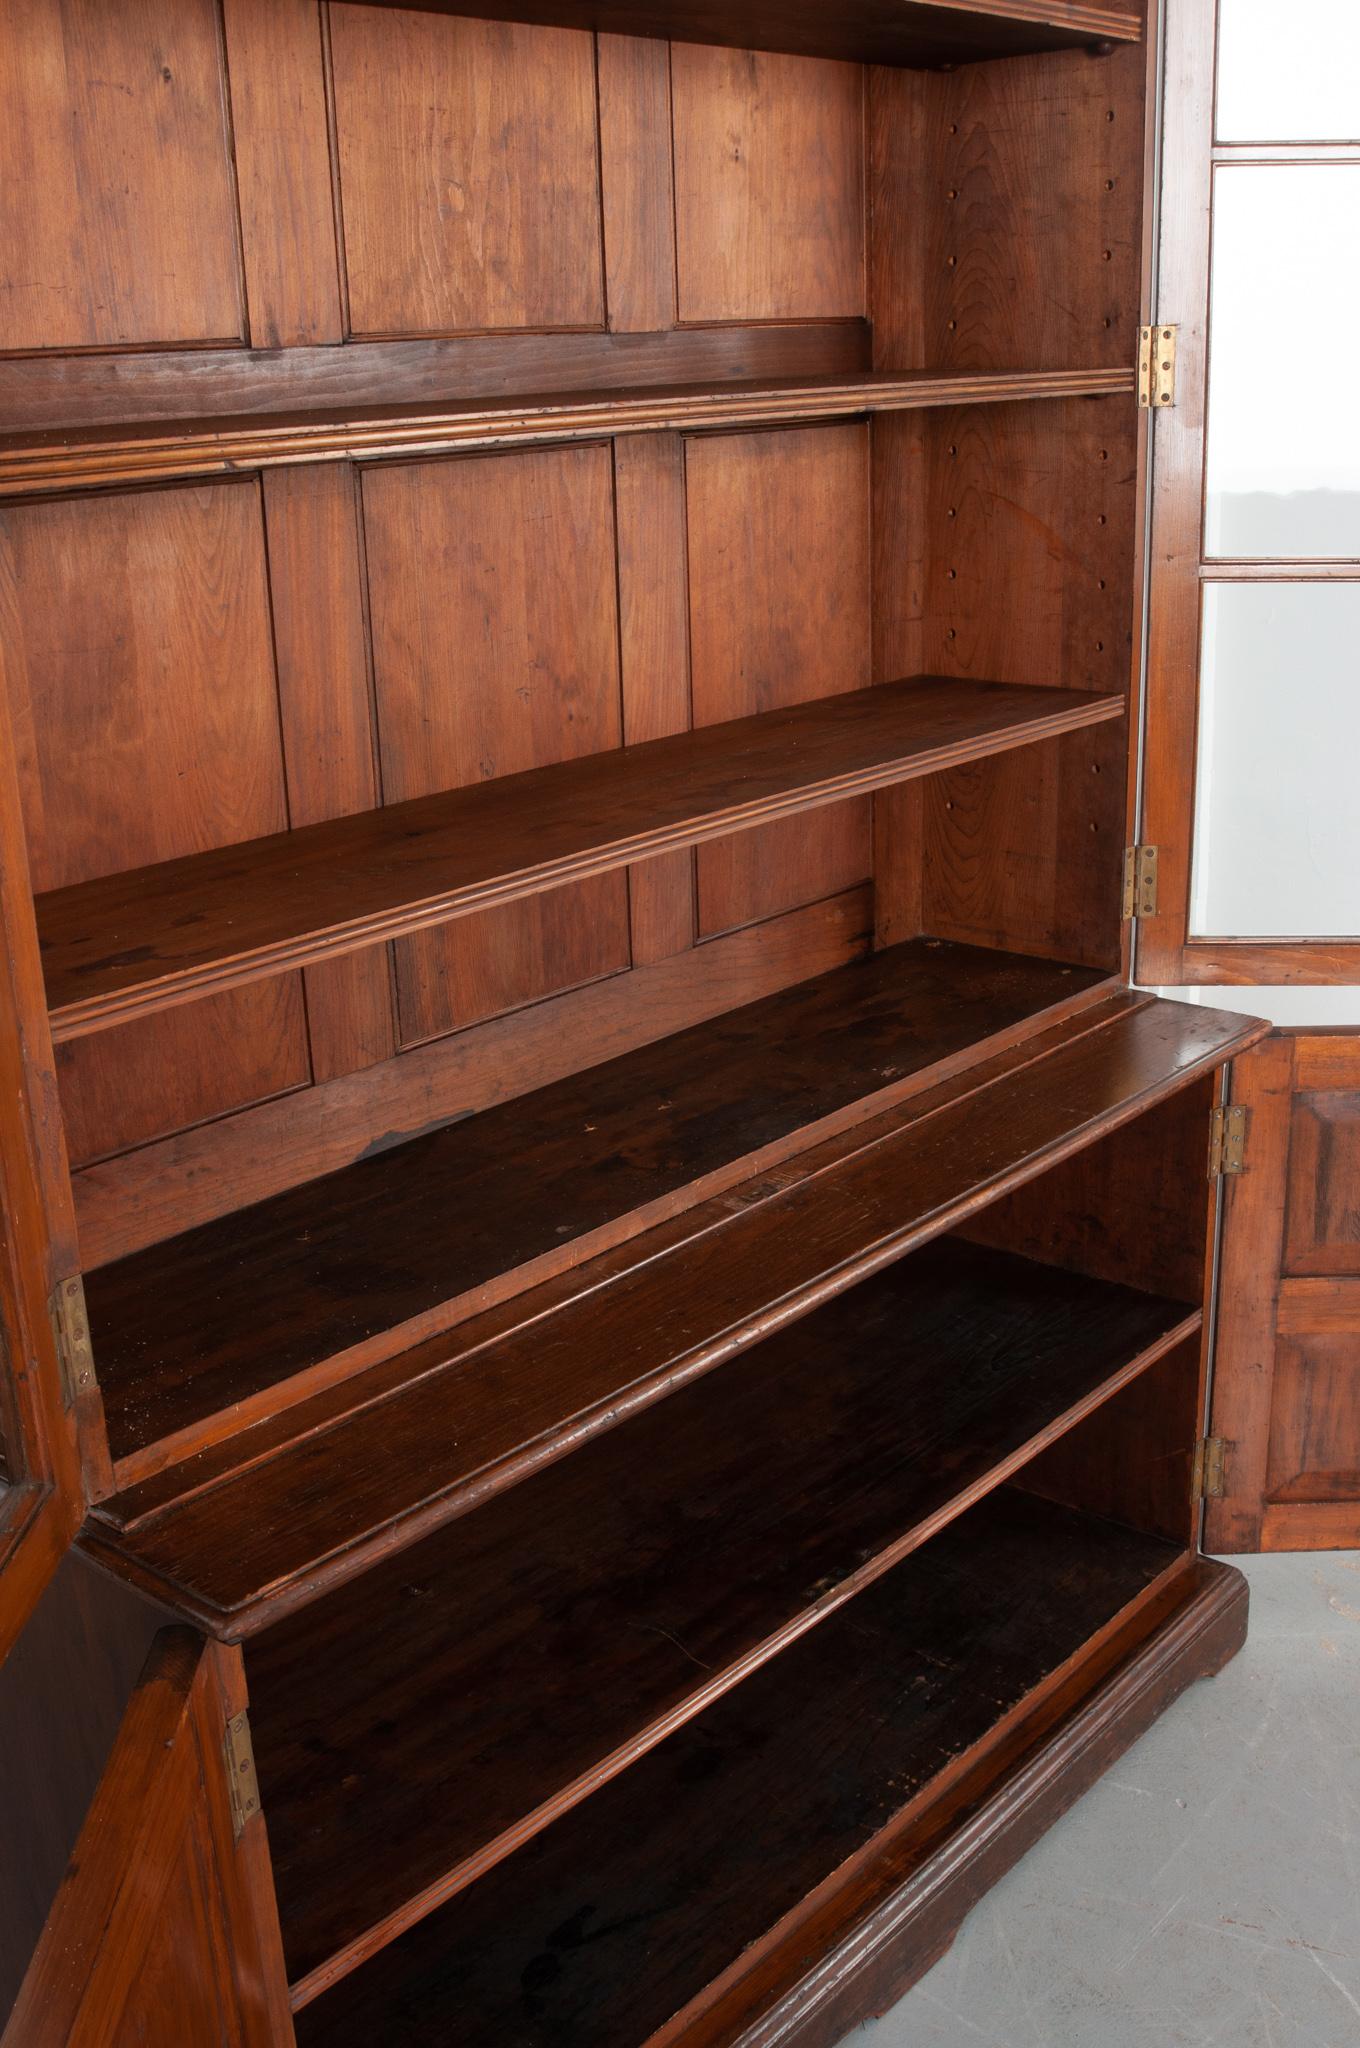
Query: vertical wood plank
1248, 1290
283, 172
649, 485
494, 598
469, 173
779, 613
769, 185
898, 458
325, 709
637, 183
117, 213
164, 596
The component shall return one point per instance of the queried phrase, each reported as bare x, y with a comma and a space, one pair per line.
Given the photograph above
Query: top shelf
59, 459
919, 33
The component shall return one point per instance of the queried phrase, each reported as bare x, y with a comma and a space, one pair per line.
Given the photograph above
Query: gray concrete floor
1207, 1891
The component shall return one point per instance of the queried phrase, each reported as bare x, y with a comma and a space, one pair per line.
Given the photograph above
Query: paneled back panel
117, 206
469, 178
769, 177
779, 612
495, 623
141, 675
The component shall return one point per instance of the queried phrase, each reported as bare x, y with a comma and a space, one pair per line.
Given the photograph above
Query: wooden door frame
54, 1451
1178, 572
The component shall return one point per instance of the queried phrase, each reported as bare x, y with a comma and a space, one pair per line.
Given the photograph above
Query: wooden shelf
241, 1534
57, 459
128, 944
674, 1556
333, 1274
910, 32
616, 1920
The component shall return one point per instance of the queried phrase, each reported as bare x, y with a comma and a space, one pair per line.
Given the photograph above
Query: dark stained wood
363, 1262
445, 420
117, 208
870, 31
74, 393
63, 1690
124, 1204
161, 1921
121, 946
852, 1958
504, 119
459, 1419
532, 1650
779, 613
1286, 1393
609, 1925
1136, 1207
769, 186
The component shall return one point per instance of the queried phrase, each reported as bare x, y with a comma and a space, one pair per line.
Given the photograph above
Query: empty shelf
128, 944
55, 459
368, 1260
237, 1537
516, 1659
615, 1920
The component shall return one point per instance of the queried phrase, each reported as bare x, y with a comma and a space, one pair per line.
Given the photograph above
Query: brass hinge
1211, 1455
1227, 1141
71, 1332
1157, 366
245, 1789
1140, 881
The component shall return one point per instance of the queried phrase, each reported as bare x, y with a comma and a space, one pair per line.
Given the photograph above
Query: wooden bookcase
631, 1275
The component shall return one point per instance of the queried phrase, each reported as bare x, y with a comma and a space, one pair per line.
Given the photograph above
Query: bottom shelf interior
519, 1656
692, 1865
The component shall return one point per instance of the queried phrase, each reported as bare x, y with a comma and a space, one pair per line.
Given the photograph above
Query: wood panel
164, 1926
1323, 1212
649, 498
141, 682
769, 186
1036, 508
63, 1691
494, 599
637, 183
469, 173
1287, 1396
544, 1656
317, 587
779, 613
117, 208
281, 137
668, 1895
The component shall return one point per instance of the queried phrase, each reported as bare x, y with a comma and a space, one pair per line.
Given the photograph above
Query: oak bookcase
629, 1275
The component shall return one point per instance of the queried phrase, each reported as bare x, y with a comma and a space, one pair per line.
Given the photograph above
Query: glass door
1252, 785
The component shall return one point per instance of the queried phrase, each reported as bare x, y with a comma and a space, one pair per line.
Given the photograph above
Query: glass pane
1283, 456
1277, 807
1288, 74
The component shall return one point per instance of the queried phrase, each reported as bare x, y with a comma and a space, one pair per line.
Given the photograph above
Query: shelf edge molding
127, 945
52, 460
